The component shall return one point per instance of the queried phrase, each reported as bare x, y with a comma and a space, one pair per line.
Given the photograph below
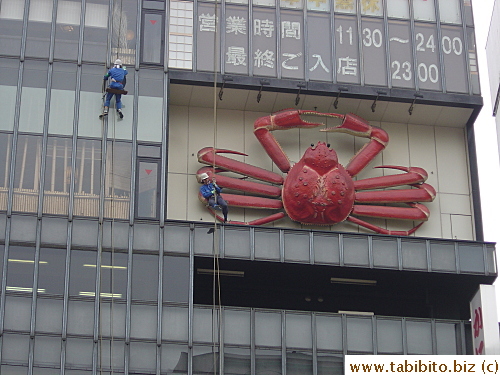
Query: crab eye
328, 145
312, 144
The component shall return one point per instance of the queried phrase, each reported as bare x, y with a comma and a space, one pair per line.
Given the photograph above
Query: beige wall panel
397, 112
286, 101
345, 105
397, 151
177, 196
365, 110
432, 227
453, 116
230, 132
232, 99
425, 114
201, 129
178, 139
452, 160
446, 226
461, 227
266, 103
180, 94
455, 204
203, 96
423, 151
316, 103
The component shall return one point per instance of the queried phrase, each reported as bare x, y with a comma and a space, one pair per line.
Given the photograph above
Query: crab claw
283, 120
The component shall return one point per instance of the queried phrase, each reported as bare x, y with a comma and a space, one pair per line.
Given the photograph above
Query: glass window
443, 256
323, 6
111, 355
143, 321
113, 275
20, 269
180, 40
297, 246
473, 67
237, 327
145, 277
33, 96
356, 250
449, 11
237, 361
372, 8
51, 270
9, 72
15, 349
11, 27
346, 51
79, 352
471, 258
414, 254
419, 337
298, 331
149, 151
57, 176
62, 99
91, 101
152, 39
87, 178
123, 39
67, 29
39, 28
47, 351
150, 120
17, 313
345, 6
82, 273
299, 363
268, 361
398, 8
117, 182
267, 329
96, 31
174, 359
389, 336
206, 24
175, 323
175, 279
147, 189
359, 335
424, 10
49, 314
5, 149
447, 338
81, 317
329, 332
143, 357
292, 4
330, 364
203, 325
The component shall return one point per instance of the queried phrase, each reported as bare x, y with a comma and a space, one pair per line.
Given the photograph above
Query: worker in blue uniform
117, 76
211, 192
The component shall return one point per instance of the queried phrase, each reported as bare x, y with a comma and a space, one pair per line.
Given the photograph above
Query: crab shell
318, 190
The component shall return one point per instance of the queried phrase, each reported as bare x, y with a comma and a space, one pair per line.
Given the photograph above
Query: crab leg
242, 185
413, 175
423, 193
283, 120
380, 230
208, 155
356, 126
416, 211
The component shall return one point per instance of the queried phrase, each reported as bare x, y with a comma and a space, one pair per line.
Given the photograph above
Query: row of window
73, 178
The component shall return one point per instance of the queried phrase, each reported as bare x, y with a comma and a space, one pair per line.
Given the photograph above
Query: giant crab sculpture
317, 189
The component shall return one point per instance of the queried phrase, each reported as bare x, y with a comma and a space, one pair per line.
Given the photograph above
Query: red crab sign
317, 189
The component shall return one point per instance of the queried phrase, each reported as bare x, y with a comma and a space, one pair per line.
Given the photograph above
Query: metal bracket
336, 102
263, 82
297, 98
224, 80
416, 95
374, 104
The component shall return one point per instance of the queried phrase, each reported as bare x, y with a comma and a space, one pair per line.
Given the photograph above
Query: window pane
96, 31
114, 275
5, 148
67, 29
81, 317
27, 173
91, 102
152, 51
143, 321
175, 279
389, 336
449, 11
20, 268
79, 352
124, 26
15, 348
82, 273
17, 313
51, 270
117, 185
145, 288
268, 362
47, 351
424, 10
147, 199
9, 70
398, 8
87, 178
419, 337
174, 359
181, 35
57, 176
11, 27
49, 314
359, 335
237, 327
39, 27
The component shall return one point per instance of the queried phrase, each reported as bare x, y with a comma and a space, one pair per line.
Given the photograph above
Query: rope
216, 292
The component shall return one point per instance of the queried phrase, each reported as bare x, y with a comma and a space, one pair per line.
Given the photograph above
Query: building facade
111, 264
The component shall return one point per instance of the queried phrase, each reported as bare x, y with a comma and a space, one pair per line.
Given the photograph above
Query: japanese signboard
292, 44
484, 321
264, 42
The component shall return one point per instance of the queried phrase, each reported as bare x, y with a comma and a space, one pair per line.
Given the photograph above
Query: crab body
318, 189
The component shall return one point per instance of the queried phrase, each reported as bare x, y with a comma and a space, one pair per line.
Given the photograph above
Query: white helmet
201, 177
118, 62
